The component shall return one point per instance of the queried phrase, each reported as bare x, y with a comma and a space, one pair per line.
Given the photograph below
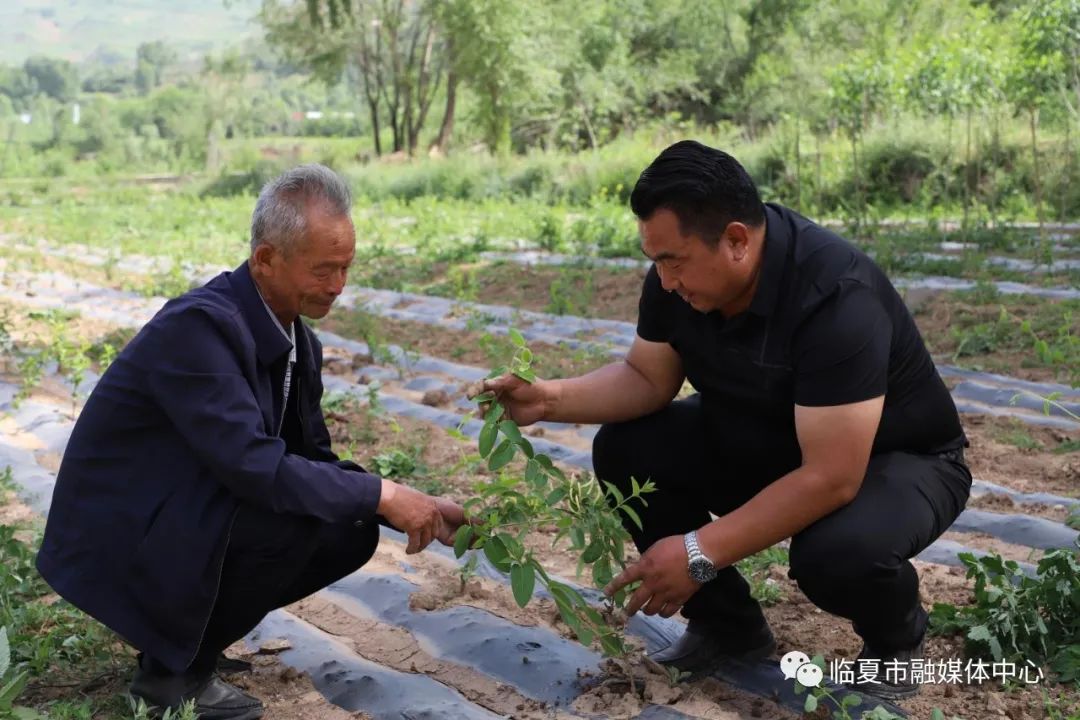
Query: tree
1035, 77
54, 77
152, 59
394, 49
857, 90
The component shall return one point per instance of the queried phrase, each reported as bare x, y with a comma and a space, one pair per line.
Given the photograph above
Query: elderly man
820, 417
198, 490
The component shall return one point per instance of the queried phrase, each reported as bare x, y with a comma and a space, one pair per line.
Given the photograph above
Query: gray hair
280, 217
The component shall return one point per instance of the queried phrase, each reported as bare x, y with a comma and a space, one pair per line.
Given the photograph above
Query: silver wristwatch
700, 567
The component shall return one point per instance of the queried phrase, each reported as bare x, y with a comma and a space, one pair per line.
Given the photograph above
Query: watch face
702, 570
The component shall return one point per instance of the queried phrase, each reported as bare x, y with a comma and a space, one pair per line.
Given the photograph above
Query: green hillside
102, 29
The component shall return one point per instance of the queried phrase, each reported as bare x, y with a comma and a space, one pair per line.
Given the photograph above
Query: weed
1016, 618
139, 711
399, 463
1073, 520
12, 683
468, 570
571, 293
756, 571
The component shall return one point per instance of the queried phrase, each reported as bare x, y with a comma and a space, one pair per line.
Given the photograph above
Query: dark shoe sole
707, 667
231, 666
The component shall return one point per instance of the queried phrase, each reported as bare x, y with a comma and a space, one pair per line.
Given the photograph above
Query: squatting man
819, 416
198, 490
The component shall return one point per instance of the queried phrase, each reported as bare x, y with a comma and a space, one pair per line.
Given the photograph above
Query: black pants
853, 563
273, 560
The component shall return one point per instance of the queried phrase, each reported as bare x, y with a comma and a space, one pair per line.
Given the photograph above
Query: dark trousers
853, 563
273, 560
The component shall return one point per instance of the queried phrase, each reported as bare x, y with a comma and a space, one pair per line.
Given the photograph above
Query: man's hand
453, 517
413, 513
666, 584
525, 403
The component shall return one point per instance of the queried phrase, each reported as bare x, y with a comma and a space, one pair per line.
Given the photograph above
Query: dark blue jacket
179, 431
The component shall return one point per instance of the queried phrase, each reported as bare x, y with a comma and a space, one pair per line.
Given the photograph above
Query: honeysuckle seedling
521, 499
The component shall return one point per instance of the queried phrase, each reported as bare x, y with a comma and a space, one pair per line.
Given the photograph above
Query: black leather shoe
214, 698
876, 679
701, 648
231, 666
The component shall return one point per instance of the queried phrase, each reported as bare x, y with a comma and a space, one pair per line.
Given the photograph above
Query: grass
756, 571
76, 668
1013, 331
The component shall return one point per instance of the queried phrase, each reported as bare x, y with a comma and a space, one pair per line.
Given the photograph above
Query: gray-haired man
198, 491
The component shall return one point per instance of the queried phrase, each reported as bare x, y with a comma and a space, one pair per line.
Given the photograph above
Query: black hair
706, 189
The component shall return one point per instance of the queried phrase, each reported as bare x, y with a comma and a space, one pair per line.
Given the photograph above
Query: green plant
513, 504
140, 711
467, 570
842, 708
1016, 618
756, 571
1073, 520
12, 683
571, 293
398, 463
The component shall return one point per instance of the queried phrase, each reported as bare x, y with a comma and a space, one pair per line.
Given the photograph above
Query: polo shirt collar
773, 260
271, 340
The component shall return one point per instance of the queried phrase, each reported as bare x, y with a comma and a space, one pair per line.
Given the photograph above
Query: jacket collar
270, 343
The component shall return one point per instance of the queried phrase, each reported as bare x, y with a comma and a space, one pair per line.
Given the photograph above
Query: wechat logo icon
797, 665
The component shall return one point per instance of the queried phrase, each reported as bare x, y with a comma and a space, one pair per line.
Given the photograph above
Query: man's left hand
666, 584
453, 517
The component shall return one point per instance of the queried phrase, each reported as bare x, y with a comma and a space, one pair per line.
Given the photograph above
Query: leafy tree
54, 77
152, 59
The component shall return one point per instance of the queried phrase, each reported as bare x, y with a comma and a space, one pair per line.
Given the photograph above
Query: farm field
435, 297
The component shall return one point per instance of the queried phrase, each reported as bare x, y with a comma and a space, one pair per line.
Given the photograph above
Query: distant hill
110, 30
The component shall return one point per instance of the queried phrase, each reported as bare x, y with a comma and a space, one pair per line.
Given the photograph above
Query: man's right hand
413, 513
525, 403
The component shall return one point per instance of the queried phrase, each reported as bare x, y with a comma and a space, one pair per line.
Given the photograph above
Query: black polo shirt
825, 327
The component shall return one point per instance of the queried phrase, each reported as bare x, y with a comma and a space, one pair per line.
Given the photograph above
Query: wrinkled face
307, 280
708, 278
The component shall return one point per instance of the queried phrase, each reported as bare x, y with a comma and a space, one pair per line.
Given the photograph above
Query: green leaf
494, 413
632, 514
615, 492
522, 580
502, 455
526, 355
486, 441
851, 701
527, 375
497, 372
11, 690
612, 645
484, 397
516, 338
533, 473
526, 447
936, 714
510, 429
462, 539
556, 495
811, 703
496, 554
577, 537
602, 574
593, 552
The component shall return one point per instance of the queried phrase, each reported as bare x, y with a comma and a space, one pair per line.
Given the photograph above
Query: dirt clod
435, 398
